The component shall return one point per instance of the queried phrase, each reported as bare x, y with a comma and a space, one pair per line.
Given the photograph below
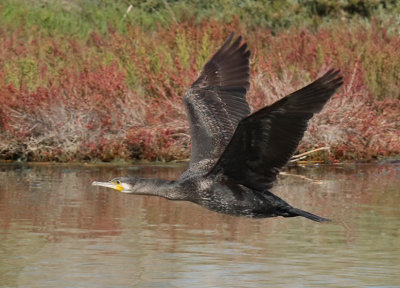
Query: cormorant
236, 156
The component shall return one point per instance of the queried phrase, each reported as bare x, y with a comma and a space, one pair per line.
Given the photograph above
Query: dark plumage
235, 156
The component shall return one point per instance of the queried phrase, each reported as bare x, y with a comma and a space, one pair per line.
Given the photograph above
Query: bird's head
121, 184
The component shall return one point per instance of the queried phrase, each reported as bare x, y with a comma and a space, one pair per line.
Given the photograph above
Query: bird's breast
232, 200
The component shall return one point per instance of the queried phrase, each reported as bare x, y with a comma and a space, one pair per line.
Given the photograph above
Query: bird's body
235, 155
232, 198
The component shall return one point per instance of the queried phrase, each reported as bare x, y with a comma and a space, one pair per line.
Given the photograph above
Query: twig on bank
298, 157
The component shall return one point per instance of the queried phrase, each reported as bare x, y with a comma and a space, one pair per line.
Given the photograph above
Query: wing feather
264, 141
216, 101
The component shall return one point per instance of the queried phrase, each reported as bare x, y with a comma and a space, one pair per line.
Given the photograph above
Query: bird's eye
117, 182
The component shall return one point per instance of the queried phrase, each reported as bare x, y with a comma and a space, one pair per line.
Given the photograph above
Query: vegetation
94, 80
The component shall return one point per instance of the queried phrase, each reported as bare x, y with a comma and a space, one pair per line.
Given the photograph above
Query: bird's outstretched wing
265, 141
216, 101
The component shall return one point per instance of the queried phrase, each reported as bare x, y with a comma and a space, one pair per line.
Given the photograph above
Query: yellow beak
112, 185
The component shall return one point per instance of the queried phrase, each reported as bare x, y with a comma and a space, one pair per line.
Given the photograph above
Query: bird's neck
159, 187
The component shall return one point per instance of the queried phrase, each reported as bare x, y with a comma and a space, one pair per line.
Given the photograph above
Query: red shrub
121, 96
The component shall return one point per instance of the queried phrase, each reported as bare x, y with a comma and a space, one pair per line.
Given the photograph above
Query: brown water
56, 230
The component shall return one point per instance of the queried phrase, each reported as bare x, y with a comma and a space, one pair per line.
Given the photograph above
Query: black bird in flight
236, 156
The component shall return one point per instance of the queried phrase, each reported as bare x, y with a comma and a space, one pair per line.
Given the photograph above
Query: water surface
56, 230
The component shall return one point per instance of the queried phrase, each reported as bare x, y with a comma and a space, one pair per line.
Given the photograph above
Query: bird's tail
298, 212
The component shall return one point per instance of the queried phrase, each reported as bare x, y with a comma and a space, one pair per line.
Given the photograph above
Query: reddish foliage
121, 96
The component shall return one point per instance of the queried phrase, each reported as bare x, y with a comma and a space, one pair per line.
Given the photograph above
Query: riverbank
115, 91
